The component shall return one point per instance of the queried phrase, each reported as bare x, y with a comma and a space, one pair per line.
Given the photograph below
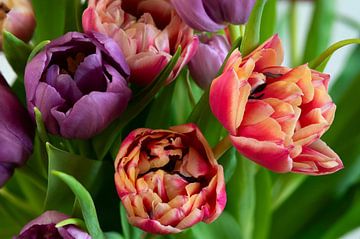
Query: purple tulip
78, 82
213, 15
45, 227
208, 59
16, 133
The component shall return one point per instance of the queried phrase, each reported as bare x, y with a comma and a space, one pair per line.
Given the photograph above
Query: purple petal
33, 72
89, 75
49, 217
71, 232
6, 170
195, 15
64, 84
47, 98
233, 11
117, 83
214, 50
111, 48
91, 114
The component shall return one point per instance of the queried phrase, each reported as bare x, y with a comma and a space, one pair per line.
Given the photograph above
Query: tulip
45, 227
213, 15
148, 31
276, 115
208, 59
17, 17
78, 82
169, 180
16, 133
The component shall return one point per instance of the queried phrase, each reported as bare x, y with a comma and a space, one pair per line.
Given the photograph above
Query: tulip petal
83, 122
228, 97
236, 12
317, 159
268, 154
89, 75
145, 66
195, 15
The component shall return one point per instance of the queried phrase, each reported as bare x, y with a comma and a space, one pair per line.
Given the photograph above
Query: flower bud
44, 226
17, 17
169, 180
79, 84
16, 133
213, 15
208, 59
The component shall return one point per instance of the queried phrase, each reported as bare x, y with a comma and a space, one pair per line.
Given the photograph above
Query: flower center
74, 62
256, 93
167, 155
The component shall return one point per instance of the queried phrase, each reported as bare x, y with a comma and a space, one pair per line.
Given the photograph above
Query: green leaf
262, 218
128, 230
284, 186
317, 63
86, 203
113, 235
50, 19
40, 127
224, 227
268, 20
160, 116
346, 222
103, 142
87, 172
252, 32
72, 221
320, 30
206, 121
73, 16
16, 52
241, 196
124, 223
38, 48
229, 162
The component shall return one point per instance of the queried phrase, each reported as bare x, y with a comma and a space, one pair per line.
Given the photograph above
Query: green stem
221, 148
328, 52
293, 33
235, 33
189, 90
252, 32
242, 30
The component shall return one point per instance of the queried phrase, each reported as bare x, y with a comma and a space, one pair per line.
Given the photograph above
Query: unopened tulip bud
213, 15
17, 17
208, 59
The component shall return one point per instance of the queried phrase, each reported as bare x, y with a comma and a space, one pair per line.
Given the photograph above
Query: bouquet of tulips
150, 119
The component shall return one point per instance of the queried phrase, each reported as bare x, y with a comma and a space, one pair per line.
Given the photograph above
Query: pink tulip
169, 180
276, 115
17, 17
148, 32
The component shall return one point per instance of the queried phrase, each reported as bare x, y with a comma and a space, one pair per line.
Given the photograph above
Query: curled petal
317, 159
